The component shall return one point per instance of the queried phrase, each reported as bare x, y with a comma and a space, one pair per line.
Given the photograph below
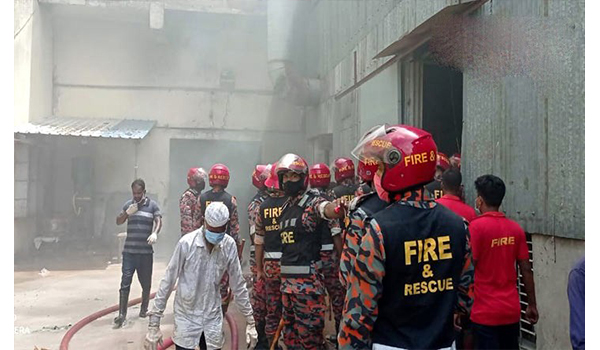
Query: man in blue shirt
576, 293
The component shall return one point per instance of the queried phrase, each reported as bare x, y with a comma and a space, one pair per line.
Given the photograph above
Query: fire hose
64, 344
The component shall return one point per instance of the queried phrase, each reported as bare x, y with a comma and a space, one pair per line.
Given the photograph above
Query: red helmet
343, 168
196, 177
319, 175
272, 181
295, 163
408, 155
367, 169
218, 175
442, 161
258, 177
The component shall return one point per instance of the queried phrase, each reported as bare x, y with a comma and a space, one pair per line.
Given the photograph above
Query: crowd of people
391, 247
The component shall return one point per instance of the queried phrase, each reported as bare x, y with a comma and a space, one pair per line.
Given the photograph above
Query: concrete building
501, 82
107, 91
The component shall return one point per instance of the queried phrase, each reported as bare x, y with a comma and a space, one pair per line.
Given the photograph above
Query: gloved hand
251, 333
153, 338
132, 209
152, 238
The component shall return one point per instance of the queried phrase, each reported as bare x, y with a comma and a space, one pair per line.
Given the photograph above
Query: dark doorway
443, 106
239, 156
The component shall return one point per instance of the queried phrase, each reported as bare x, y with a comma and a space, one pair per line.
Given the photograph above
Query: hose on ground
64, 344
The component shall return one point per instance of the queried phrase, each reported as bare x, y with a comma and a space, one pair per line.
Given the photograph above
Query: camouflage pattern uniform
330, 261
234, 231
304, 320
191, 213
303, 296
365, 289
346, 189
273, 297
257, 295
271, 267
360, 210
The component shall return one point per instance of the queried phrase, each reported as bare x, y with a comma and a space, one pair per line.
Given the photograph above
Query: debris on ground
44, 272
56, 328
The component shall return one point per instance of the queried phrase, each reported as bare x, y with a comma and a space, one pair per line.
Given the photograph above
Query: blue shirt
576, 293
139, 226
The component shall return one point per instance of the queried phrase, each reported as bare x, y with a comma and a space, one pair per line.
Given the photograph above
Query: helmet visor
292, 162
376, 132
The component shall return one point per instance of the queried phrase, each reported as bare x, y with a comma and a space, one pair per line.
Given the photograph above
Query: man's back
456, 205
425, 251
497, 243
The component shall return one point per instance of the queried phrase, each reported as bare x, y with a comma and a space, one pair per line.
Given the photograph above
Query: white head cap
216, 214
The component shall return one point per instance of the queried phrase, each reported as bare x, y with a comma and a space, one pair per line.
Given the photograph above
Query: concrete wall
378, 102
33, 62
32, 102
350, 34
172, 76
124, 69
42, 64
22, 55
106, 62
553, 258
169, 75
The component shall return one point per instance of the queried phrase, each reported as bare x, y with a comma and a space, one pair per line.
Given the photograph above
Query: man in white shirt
199, 262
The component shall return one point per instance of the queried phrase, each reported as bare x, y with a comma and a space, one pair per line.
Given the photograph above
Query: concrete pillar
33, 62
553, 258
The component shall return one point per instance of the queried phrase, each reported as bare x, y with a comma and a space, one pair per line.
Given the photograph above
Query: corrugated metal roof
84, 127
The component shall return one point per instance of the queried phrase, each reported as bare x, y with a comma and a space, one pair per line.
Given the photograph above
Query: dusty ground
45, 307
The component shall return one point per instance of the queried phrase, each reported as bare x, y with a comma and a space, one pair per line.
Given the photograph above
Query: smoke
493, 48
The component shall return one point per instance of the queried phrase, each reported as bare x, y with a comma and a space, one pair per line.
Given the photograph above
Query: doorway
443, 106
239, 156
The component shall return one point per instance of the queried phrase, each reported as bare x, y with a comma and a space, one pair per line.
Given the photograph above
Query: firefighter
346, 188
218, 179
435, 187
268, 251
301, 284
360, 211
331, 247
257, 295
189, 204
414, 266
366, 171
343, 169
